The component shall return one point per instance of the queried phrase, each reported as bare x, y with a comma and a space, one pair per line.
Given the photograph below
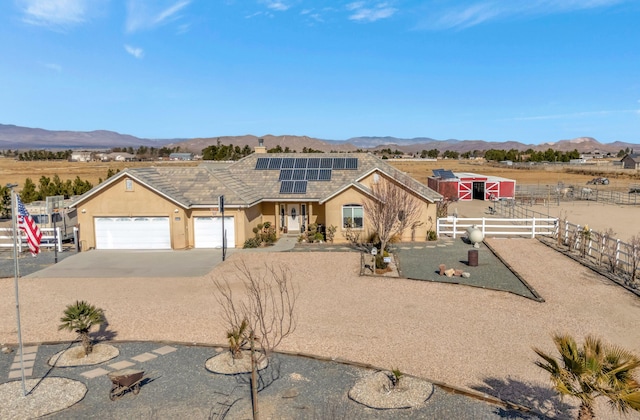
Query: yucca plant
79, 318
238, 339
396, 376
595, 369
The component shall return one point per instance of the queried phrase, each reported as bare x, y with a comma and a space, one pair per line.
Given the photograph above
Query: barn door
491, 190
465, 191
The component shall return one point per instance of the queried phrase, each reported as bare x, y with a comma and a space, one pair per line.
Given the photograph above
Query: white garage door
208, 232
133, 233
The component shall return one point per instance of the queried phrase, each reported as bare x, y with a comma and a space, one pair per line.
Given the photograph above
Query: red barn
466, 186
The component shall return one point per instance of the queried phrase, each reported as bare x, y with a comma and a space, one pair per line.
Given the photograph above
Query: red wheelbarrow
125, 380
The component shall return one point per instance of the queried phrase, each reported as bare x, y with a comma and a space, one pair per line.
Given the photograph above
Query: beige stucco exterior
126, 196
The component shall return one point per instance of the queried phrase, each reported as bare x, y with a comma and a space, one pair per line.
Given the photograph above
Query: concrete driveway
134, 263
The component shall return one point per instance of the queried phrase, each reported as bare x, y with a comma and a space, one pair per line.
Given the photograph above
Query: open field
12, 171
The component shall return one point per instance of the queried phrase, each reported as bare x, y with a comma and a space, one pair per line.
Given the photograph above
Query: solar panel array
443, 173
295, 172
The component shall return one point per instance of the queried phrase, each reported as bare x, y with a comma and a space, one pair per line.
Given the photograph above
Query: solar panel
447, 174
286, 187
313, 163
326, 163
262, 163
275, 163
338, 163
311, 175
288, 163
301, 162
298, 174
351, 163
286, 175
437, 173
300, 187
324, 175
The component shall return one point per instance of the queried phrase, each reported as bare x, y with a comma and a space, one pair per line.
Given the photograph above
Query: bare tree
266, 309
391, 210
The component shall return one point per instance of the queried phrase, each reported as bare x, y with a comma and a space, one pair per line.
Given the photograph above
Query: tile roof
243, 185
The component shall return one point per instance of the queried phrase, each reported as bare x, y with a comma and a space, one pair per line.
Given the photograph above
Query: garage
132, 233
208, 232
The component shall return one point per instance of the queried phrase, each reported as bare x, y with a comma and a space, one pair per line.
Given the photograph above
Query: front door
293, 218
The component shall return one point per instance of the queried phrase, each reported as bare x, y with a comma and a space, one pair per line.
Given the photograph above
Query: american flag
26, 223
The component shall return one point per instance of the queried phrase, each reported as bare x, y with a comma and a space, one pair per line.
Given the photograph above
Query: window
128, 184
352, 216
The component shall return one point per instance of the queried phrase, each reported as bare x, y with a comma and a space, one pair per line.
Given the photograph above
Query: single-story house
467, 186
631, 161
181, 156
81, 156
177, 207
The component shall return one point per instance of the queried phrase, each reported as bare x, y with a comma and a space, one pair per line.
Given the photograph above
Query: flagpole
16, 238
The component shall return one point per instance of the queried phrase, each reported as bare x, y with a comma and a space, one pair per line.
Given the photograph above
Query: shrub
432, 235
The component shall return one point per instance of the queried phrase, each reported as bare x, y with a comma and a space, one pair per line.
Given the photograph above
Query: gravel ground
468, 337
176, 385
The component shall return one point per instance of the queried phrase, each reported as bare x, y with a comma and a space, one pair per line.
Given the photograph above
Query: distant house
631, 161
83, 156
181, 156
119, 157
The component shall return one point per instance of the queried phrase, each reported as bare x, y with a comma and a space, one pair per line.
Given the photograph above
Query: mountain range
13, 137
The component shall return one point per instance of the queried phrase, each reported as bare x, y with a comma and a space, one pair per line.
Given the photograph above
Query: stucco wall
333, 215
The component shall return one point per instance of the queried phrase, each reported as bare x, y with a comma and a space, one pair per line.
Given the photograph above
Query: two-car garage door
132, 233
155, 232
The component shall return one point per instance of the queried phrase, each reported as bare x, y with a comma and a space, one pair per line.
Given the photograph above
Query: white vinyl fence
489, 226
48, 239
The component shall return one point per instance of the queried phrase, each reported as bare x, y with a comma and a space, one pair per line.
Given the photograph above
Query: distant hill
23, 138
15, 137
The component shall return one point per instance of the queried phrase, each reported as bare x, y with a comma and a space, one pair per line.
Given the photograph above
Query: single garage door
208, 232
133, 233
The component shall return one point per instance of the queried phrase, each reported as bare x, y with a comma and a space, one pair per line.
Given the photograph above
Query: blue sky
532, 71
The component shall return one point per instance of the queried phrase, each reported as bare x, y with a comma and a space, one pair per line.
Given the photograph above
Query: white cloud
134, 51
277, 5
363, 12
54, 67
478, 12
147, 14
54, 12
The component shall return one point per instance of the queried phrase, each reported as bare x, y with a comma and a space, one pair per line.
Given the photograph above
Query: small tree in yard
391, 210
265, 313
79, 318
595, 369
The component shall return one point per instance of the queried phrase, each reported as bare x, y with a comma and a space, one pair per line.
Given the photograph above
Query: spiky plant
79, 318
396, 376
595, 369
237, 339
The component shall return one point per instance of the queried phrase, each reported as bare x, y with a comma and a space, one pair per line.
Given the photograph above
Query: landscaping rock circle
225, 364
74, 356
375, 391
45, 396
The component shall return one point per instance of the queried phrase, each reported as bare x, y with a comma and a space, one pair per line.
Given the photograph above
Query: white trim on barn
471, 186
208, 231
132, 233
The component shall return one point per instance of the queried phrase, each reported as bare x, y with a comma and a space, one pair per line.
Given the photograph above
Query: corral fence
558, 194
600, 249
529, 227
49, 239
